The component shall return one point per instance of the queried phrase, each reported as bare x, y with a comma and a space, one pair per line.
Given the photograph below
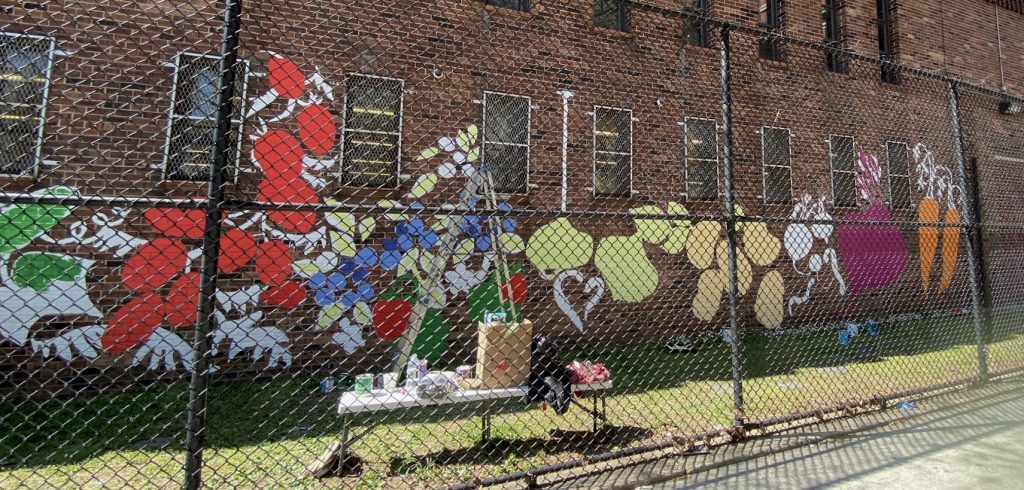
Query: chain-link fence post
196, 431
732, 333
970, 225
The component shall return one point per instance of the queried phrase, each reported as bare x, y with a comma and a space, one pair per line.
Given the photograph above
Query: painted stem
950, 248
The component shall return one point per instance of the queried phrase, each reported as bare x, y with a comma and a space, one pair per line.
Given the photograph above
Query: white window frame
593, 169
345, 131
529, 129
237, 124
910, 185
51, 52
832, 169
686, 157
765, 165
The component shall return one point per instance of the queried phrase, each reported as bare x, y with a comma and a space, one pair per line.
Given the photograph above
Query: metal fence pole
732, 333
196, 430
971, 228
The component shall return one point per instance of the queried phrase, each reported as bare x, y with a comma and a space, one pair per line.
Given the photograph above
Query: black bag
549, 381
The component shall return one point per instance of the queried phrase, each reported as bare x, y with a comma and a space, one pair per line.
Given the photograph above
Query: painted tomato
279, 155
516, 289
285, 78
274, 262
183, 301
154, 264
237, 248
317, 129
391, 318
133, 323
177, 223
296, 191
290, 294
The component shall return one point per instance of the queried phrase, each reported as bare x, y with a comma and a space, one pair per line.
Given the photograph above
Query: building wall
108, 116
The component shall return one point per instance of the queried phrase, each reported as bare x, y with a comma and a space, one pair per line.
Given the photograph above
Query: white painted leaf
361, 313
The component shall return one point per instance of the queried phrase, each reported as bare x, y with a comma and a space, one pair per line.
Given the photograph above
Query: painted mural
940, 204
402, 269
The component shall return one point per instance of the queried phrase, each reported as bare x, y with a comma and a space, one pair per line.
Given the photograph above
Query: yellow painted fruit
761, 246
700, 244
624, 264
768, 305
744, 273
709, 294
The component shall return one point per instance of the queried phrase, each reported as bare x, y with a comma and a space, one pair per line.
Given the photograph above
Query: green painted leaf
423, 185
473, 132
485, 297
343, 243
473, 155
462, 140
512, 243
22, 223
432, 341
366, 227
463, 251
329, 315
428, 153
39, 270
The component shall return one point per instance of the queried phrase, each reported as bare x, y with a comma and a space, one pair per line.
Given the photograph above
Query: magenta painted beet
873, 256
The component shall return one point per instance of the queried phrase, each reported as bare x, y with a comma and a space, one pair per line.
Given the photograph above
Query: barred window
770, 16
188, 154
694, 27
613, 151
25, 67
777, 159
898, 155
701, 159
520, 5
832, 22
842, 160
610, 14
886, 20
506, 150
373, 131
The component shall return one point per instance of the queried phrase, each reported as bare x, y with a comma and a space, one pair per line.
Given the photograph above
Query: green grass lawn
263, 433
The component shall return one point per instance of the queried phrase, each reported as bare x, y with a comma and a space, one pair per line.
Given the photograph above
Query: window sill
608, 31
510, 12
17, 182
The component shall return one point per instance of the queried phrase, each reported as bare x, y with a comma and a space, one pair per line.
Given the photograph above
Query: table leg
346, 423
594, 413
485, 433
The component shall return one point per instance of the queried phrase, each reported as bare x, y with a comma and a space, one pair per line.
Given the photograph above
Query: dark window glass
701, 159
694, 28
373, 129
843, 163
832, 23
24, 71
194, 117
898, 155
521, 5
613, 151
610, 14
770, 17
507, 141
777, 161
886, 20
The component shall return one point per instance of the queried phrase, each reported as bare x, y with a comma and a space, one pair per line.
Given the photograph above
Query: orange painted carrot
950, 248
927, 237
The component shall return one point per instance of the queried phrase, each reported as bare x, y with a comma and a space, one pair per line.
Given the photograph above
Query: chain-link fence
289, 244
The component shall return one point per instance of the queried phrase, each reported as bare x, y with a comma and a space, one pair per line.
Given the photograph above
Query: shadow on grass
250, 413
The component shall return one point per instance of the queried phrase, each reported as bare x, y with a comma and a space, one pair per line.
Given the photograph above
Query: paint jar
364, 384
464, 372
389, 381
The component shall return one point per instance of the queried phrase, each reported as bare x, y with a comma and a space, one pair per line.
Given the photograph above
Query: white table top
352, 403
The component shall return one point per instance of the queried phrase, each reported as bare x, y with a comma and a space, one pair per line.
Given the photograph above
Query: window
373, 131
188, 154
694, 27
613, 151
887, 39
520, 5
770, 16
25, 67
701, 159
832, 23
507, 141
777, 160
898, 156
842, 160
610, 14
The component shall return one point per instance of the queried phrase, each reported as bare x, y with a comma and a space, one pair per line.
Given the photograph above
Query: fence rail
216, 216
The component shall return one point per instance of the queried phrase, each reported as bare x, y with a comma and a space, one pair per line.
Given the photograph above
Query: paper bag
503, 356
